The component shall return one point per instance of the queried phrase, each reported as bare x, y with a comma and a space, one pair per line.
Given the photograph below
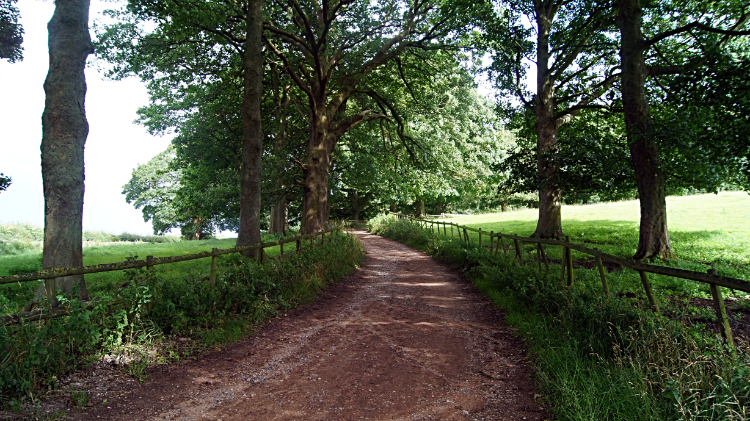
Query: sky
114, 147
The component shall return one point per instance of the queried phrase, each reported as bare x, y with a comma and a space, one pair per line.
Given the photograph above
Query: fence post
544, 256
51, 292
601, 275
480, 238
149, 262
299, 244
281, 249
214, 265
502, 243
260, 255
649, 291
569, 256
563, 262
451, 230
518, 250
445, 229
539, 257
466, 237
721, 312
491, 240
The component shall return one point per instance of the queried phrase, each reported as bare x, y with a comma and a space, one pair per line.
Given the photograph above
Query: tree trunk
198, 227
393, 208
420, 207
653, 238
252, 132
359, 204
315, 176
549, 224
279, 217
64, 132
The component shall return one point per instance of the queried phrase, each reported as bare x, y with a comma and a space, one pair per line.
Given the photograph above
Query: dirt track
403, 338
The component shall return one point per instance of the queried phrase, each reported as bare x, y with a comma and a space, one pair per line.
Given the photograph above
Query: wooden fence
496, 242
49, 275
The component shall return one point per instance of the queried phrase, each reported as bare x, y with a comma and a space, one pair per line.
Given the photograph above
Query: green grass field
13, 296
705, 231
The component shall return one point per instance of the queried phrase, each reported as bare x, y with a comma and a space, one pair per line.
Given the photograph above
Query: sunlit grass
705, 231
15, 295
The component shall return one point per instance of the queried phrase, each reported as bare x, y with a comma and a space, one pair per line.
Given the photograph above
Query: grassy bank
705, 230
135, 321
598, 357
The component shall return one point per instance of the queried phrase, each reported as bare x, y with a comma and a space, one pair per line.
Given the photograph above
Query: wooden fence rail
711, 278
151, 261
50, 274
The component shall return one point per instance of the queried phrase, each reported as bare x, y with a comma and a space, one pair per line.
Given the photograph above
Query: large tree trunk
419, 204
64, 132
315, 176
279, 217
549, 224
653, 239
252, 132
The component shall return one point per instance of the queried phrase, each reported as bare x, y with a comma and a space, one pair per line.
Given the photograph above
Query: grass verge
599, 358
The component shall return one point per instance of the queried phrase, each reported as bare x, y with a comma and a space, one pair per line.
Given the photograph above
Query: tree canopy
5, 181
371, 105
11, 32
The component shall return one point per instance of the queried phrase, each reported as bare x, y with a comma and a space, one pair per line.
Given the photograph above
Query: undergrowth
132, 326
599, 357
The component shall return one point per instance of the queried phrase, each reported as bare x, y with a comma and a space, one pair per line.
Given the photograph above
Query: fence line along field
708, 234
179, 260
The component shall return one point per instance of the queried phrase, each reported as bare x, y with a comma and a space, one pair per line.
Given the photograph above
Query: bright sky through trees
114, 146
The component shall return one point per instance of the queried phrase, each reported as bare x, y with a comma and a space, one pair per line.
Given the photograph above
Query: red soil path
402, 338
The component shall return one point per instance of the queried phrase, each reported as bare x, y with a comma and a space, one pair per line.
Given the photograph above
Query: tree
592, 155
186, 45
64, 132
458, 137
174, 195
653, 234
703, 118
11, 33
573, 54
330, 49
5, 181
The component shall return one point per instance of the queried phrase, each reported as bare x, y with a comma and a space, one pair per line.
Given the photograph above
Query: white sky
114, 146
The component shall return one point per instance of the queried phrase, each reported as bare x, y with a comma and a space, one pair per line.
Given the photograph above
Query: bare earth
403, 338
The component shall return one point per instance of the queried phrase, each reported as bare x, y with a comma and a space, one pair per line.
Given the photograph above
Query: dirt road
403, 338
